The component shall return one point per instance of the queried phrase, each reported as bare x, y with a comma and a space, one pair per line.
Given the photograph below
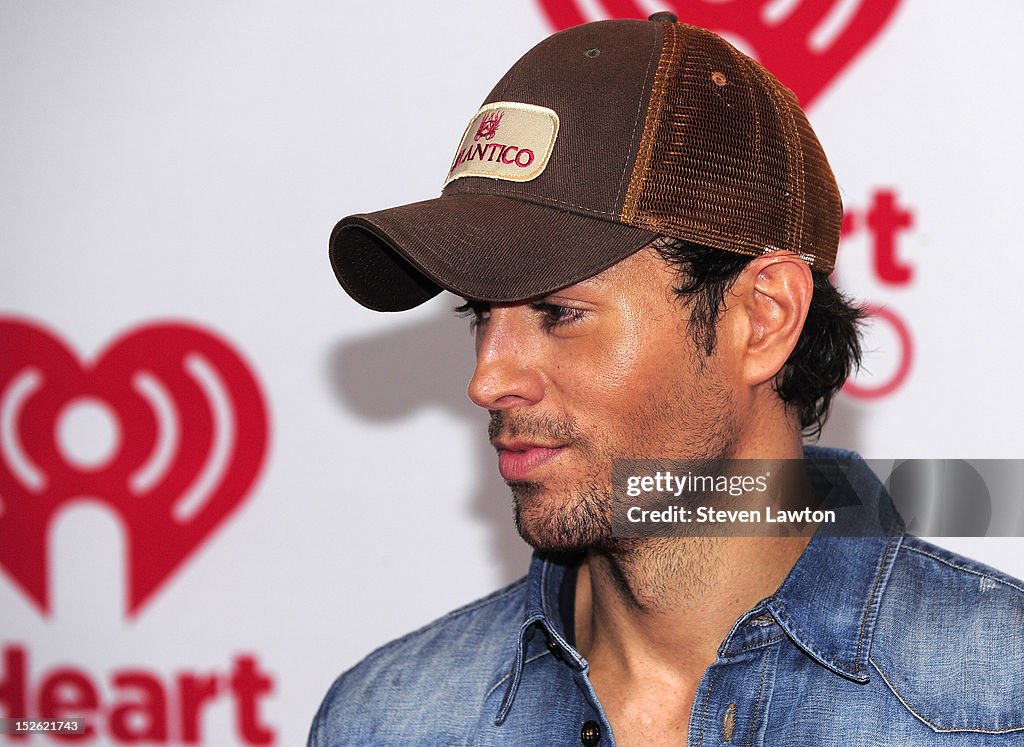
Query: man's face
600, 370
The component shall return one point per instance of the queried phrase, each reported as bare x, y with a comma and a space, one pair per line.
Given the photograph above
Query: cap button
664, 15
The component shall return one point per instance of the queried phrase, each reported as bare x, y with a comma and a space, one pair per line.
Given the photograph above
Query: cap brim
483, 247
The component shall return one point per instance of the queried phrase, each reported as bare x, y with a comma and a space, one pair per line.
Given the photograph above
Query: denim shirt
870, 641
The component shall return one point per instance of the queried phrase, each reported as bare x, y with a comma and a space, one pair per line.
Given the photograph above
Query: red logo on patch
489, 126
807, 44
189, 438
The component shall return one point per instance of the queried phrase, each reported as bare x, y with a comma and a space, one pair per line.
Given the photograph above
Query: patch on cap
506, 140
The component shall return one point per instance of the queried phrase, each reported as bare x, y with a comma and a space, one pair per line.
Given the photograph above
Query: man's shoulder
949, 640
945, 592
434, 678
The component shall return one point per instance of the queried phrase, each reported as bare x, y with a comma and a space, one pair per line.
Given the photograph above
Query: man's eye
476, 311
555, 315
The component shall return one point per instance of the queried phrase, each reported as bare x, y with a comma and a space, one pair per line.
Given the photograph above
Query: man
642, 222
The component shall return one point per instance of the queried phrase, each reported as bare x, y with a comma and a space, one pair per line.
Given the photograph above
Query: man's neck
672, 601
651, 614
663, 598
650, 623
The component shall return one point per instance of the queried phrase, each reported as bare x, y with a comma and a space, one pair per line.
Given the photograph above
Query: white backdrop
185, 162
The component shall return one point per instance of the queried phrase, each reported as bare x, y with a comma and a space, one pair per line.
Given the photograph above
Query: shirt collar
547, 572
827, 604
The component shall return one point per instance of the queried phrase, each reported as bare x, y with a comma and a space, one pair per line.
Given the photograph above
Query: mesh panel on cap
728, 159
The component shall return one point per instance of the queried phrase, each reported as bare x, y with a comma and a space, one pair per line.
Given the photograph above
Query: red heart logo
807, 44
192, 427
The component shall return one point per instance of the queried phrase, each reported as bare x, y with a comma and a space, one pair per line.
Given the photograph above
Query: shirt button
590, 734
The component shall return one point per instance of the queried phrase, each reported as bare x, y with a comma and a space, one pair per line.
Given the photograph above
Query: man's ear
771, 298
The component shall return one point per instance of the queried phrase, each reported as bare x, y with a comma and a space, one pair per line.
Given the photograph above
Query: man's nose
507, 373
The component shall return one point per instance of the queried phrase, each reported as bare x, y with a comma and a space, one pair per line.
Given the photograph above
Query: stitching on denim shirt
965, 569
883, 562
518, 665
756, 644
757, 701
929, 724
504, 677
785, 616
799, 633
544, 589
707, 705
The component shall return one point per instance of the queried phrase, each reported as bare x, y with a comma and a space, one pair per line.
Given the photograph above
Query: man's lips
517, 459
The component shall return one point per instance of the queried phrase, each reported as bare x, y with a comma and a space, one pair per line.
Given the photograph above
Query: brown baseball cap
599, 139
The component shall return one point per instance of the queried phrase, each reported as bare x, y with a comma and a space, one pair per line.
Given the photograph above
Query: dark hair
826, 353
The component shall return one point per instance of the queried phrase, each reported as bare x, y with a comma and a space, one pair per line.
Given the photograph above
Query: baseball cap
599, 139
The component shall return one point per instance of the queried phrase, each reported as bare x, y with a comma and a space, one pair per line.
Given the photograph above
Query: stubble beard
581, 518
582, 522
